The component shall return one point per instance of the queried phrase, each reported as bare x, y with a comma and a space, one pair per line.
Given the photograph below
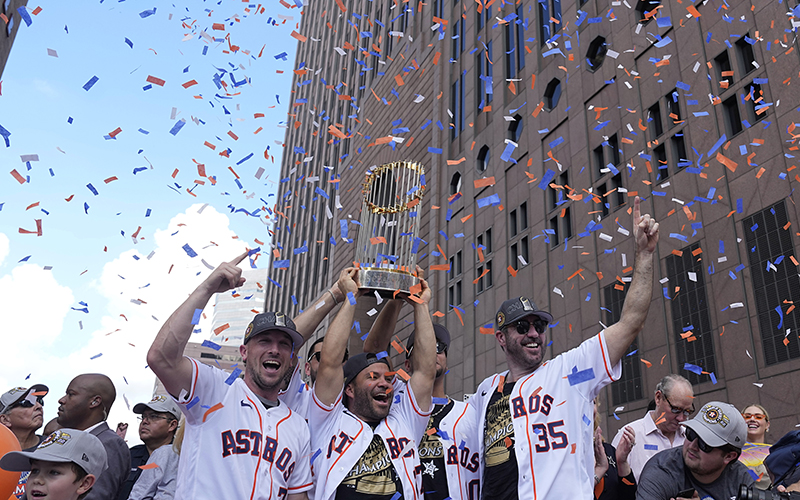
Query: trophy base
386, 282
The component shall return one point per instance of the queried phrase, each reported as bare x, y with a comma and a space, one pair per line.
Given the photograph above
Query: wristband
335, 302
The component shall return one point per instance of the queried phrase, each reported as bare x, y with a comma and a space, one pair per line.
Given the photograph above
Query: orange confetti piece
211, 410
155, 81
486, 331
377, 239
436, 58
151, 466
458, 313
489, 181
221, 328
17, 176
399, 80
456, 162
646, 363
115, 132
298, 36
218, 26
188, 84
512, 271
402, 374
110, 179
440, 267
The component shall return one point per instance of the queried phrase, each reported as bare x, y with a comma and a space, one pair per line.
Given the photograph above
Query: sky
142, 181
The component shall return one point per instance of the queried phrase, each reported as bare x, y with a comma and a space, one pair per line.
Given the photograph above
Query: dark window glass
629, 386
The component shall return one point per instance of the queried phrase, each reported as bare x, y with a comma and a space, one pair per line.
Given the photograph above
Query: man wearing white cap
706, 466
21, 411
64, 466
157, 426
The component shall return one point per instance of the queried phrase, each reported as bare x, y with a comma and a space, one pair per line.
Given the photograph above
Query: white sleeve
208, 389
410, 413
292, 395
588, 368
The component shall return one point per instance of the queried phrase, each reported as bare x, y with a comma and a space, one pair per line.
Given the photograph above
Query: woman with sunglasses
756, 449
21, 411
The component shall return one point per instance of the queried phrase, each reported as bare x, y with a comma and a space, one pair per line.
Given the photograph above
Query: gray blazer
109, 484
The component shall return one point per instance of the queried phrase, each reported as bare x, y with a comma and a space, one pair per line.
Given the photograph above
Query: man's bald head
88, 401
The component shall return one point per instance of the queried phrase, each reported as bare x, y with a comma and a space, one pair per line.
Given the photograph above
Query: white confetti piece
558, 291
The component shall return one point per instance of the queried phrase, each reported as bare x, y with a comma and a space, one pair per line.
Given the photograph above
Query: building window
673, 108
730, 112
457, 44
517, 226
483, 271
512, 223
723, 65
560, 224
484, 76
552, 230
608, 192
515, 49
552, 94
654, 121
679, 158
456, 265
454, 295
515, 129
646, 10
629, 386
746, 56
484, 155
555, 195
775, 282
438, 8
596, 53
754, 97
455, 183
613, 150
690, 312
549, 19
484, 16
660, 162
457, 107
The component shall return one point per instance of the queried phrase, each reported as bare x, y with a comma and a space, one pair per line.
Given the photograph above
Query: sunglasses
27, 404
757, 416
314, 355
691, 435
523, 326
676, 410
441, 347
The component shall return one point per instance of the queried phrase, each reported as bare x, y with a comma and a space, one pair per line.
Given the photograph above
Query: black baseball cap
356, 364
442, 335
267, 321
518, 308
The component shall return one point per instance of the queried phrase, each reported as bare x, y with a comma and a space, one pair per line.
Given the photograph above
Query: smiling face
56, 481
756, 428
268, 359
525, 351
371, 393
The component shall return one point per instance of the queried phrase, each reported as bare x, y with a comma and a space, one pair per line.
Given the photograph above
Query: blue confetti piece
651, 447
85, 208
212, 345
315, 455
396, 496
439, 401
193, 402
351, 298
92, 189
663, 42
693, 368
713, 378
436, 151
147, 13
88, 85
717, 145
493, 199
548, 176
189, 251
130, 44
321, 192
177, 127
24, 259
780, 313
578, 377
23, 13
616, 417
382, 354
233, 376
139, 169
586, 420
196, 316
96, 356
280, 264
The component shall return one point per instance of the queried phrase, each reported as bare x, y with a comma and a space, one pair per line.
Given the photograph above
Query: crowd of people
363, 429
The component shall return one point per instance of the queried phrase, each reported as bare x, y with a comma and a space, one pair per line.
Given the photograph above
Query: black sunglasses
441, 347
26, 403
691, 435
523, 326
314, 355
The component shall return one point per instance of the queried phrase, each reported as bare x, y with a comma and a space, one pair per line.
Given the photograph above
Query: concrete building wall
605, 114
11, 20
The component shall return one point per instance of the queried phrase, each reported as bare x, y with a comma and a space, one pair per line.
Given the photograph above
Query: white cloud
3, 248
157, 285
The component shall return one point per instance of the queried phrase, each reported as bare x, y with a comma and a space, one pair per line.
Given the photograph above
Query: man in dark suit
85, 407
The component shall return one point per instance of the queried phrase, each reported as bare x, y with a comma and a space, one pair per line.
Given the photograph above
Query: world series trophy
389, 236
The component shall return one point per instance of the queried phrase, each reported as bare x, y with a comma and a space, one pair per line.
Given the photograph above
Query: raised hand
226, 276
626, 443
645, 229
348, 282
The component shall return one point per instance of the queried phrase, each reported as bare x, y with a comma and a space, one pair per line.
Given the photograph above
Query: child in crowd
64, 466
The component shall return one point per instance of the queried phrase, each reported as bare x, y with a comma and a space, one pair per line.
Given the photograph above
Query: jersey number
550, 438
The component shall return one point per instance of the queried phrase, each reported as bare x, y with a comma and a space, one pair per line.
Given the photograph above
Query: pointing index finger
240, 258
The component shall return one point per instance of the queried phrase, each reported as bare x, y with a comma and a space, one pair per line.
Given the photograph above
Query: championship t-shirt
431, 455
373, 477
501, 474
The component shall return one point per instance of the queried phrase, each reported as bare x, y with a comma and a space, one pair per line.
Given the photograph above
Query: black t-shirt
431, 456
500, 475
373, 477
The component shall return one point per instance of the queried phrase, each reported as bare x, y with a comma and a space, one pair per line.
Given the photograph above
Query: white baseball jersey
297, 395
240, 450
552, 414
339, 439
454, 443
